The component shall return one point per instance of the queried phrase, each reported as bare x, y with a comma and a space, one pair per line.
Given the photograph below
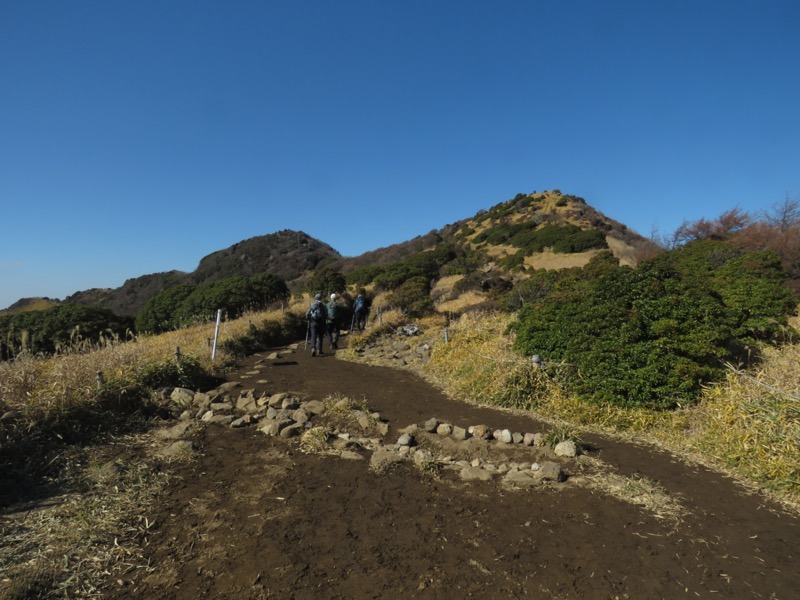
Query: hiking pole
308, 328
353, 321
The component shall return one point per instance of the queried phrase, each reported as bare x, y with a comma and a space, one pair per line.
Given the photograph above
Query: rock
444, 429
528, 438
460, 433
314, 407
362, 419
274, 428
520, 479
271, 413
431, 425
475, 474
244, 421
503, 436
277, 399
222, 419
423, 459
481, 432
207, 416
517, 438
383, 429
182, 397
218, 407
201, 399
173, 433
538, 440
550, 471
383, 458
176, 449
566, 448
413, 428
406, 440
300, 416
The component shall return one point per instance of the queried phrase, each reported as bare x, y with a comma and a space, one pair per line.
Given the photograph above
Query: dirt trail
252, 517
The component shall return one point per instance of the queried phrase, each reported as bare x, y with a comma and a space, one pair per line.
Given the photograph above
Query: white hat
333, 296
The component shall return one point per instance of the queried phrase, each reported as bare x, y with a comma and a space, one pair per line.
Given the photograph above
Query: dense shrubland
186, 304
653, 335
53, 329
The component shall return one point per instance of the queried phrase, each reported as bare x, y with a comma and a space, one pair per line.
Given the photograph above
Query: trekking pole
353, 321
308, 328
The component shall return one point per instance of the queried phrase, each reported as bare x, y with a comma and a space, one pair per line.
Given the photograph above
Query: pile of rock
286, 415
512, 473
399, 350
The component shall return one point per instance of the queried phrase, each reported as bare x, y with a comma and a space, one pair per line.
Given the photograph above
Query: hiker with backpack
317, 315
332, 323
360, 312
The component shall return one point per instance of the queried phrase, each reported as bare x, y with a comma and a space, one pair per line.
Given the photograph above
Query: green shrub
184, 304
364, 275
413, 297
62, 327
652, 336
325, 281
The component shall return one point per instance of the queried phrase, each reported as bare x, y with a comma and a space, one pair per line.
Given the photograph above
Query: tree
326, 280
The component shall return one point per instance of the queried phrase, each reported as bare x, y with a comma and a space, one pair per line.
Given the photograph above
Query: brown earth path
253, 517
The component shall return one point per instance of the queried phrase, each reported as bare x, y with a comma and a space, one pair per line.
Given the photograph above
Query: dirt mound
253, 516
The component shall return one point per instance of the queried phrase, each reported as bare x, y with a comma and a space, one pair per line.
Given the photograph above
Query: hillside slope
292, 255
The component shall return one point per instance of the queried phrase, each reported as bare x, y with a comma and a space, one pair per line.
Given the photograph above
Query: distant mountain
287, 254
29, 304
292, 255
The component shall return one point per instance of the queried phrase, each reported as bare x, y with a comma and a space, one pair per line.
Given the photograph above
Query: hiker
360, 312
333, 322
316, 315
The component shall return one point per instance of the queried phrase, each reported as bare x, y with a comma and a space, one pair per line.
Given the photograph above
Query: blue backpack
316, 312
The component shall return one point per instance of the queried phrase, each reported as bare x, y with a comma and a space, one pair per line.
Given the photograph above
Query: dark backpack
316, 312
359, 305
333, 311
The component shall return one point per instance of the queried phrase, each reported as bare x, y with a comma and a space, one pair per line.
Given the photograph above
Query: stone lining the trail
476, 453
409, 346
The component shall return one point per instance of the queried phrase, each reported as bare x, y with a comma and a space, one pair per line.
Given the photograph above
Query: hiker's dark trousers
317, 335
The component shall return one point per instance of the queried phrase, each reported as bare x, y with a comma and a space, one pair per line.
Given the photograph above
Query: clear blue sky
137, 136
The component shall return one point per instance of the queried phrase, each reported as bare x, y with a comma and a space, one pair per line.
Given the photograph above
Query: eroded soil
253, 517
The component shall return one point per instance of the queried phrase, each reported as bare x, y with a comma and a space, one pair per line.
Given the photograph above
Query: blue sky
137, 136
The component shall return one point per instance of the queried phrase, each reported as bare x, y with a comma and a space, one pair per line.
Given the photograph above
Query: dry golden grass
479, 365
463, 302
30, 383
548, 259
69, 547
639, 491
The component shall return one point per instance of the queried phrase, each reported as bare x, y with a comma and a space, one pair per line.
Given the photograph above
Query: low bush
652, 336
